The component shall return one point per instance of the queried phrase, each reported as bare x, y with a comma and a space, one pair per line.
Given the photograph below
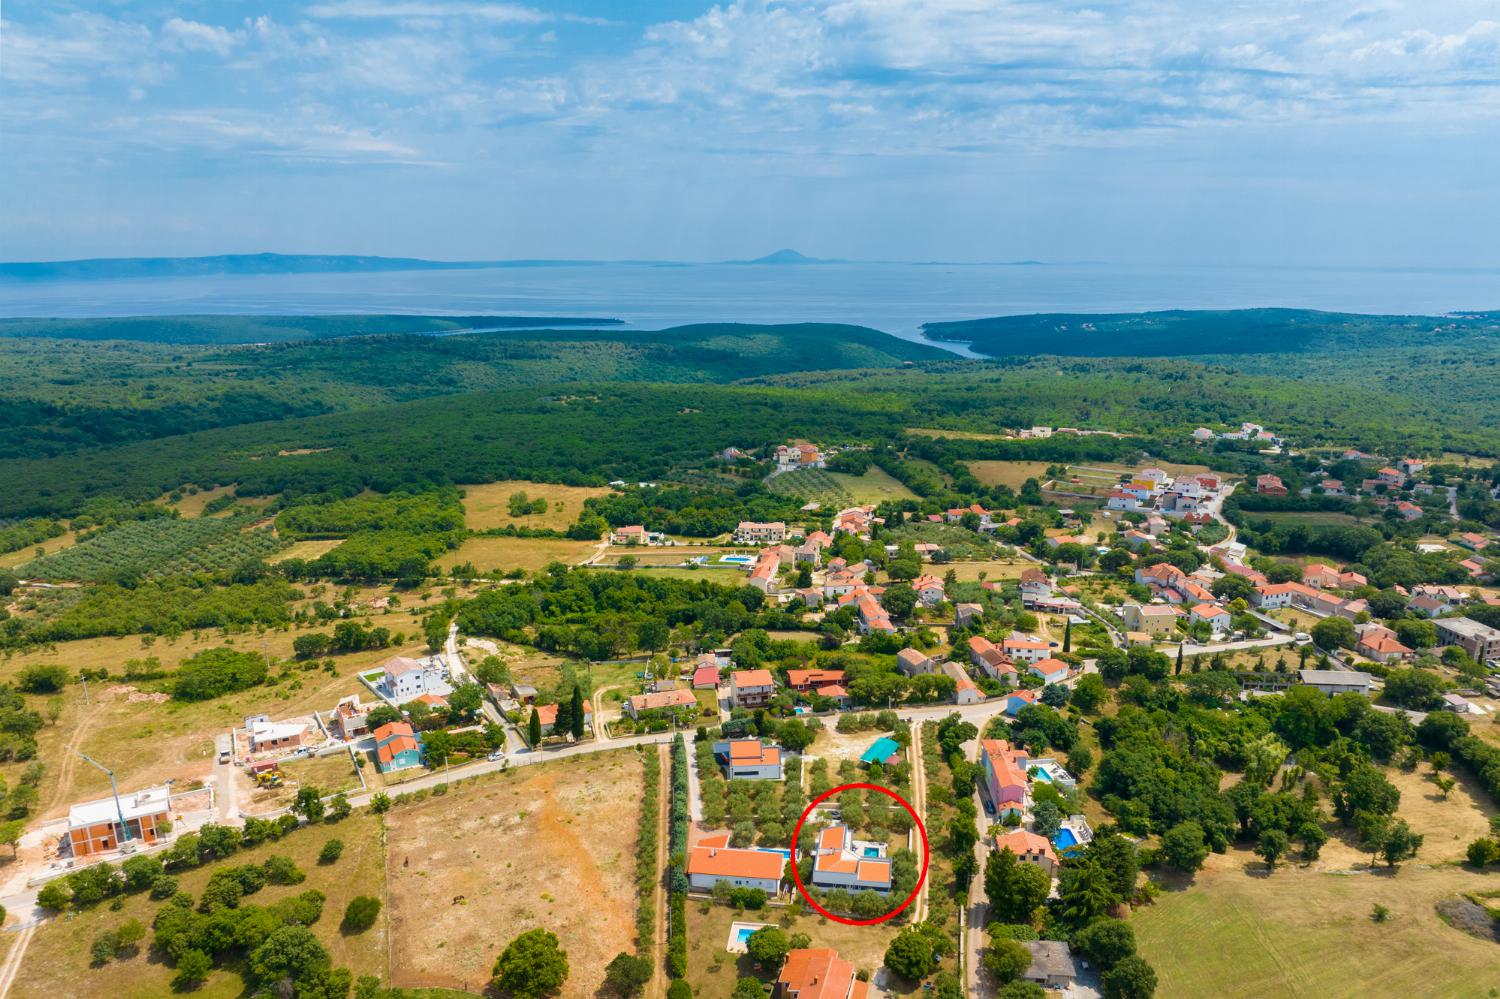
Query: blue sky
1304, 132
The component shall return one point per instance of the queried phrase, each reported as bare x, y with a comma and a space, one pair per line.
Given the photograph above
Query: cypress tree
534, 728
577, 712
1179, 657
1068, 637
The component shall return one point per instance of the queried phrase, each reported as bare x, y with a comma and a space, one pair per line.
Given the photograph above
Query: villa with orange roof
1004, 775
818, 973
752, 688
929, 590
1382, 648
714, 860
1217, 617
987, 656
1029, 848
748, 759
1025, 649
1050, 670
804, 680
547, 715
663, 700
841, 861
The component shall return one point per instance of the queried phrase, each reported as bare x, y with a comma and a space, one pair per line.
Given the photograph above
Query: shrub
331, 852
193, 967
679, 990
281, 870
164, 886
360, 914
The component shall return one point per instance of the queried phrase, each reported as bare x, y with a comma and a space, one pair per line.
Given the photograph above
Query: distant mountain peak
785, 257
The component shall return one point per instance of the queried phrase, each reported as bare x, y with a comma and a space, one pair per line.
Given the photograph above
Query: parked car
496, 756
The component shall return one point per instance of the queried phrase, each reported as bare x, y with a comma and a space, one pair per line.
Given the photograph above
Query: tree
748, 988
577, 716
1089, 693
1400, 843
1184, 847
192, 970
534, 728
1006, 959
679, 990
1418, 689
331, 852
289, 956
360, 914
916, 951
626, 974
1271, 847
900, 600
768, 946
1334, 633
532, 965
1022, 990
1132, 978
1105, 942
309, 803
1014, 889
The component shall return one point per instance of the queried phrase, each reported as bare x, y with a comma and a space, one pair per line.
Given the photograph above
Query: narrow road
977, 913
659, 897
919, 802
12, 965
599, 734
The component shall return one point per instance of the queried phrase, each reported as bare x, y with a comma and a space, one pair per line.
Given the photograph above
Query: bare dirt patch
549, 846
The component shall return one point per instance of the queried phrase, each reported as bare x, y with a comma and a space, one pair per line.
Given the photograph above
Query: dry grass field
308, 550
488, 506
968, 572
12, 559
713, 971
57, 962
875, 485
1008, 473
488, 553
551, 845
1302, 933
958, 435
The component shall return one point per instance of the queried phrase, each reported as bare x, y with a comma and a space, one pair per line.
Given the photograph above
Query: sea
896, 298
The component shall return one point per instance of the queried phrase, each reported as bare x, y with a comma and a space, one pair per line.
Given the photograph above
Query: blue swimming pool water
1064, 839
1044, 775
742, 935
872, 851
780, 853
737, 559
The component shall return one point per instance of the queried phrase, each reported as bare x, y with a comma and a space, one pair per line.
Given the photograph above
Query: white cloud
194, 36
502, 13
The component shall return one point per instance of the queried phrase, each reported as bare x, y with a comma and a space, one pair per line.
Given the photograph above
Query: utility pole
115, 788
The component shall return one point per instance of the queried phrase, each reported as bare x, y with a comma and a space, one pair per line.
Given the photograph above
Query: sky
1267, 132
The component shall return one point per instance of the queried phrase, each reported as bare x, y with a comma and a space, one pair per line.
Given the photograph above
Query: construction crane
115, 789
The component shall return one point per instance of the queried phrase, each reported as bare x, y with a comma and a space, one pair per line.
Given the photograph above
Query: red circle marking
926, 853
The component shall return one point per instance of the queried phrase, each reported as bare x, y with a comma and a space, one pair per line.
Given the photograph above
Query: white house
1217, 617
843, 862
1050, 670
714, 860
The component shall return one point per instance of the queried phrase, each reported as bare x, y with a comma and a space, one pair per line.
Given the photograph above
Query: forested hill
58, 395
268, 329
1183, 333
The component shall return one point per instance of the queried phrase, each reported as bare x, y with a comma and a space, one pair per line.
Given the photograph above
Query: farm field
1008, 473
968, 572
488, 506
712, 971
160, 547
57, 962
489, 553
148, 740
1305, 933
811, 485
10, 560
463, 870
875, 485
308, 550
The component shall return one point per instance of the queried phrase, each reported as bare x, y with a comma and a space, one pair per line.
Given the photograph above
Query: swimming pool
1064, 839
737, 559
742, 935
1043, 775
872, 851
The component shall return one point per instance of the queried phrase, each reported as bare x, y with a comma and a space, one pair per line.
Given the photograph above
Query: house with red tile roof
706, 676
1275, 595
748, 759
912, 662
929, 589
1029, 848
804, 680
1025, 649
1270, 485
1005, 778
988, 657
1050, 670
873, 618
818, 973
1216, 616
841, 862
1382, 648
752, 688
965, 690
664, 700
397, 747
713, 860
547, 715
1408, 510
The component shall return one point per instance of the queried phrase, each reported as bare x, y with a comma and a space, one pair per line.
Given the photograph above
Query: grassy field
1008, 473
488, 506
192, 504
1303, 933
874, 485
471, 869
147, 742
12, 559
308, 550
968, 572
958, 435
488, 553
57, 963
712, 971
1322, 517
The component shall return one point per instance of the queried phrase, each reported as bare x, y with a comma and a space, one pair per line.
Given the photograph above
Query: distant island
1183, 333
274, 329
